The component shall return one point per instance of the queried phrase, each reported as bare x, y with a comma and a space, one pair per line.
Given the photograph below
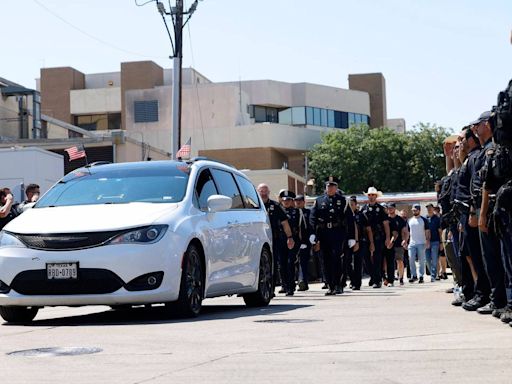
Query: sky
444, 61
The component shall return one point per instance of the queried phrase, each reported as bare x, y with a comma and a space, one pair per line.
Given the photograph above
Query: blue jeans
432, 254
418, 249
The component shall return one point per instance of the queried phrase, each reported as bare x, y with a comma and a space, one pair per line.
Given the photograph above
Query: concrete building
262, 126
397, 125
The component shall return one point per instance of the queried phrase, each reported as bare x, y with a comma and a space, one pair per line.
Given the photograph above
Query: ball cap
416, 206
484, 116
391, 205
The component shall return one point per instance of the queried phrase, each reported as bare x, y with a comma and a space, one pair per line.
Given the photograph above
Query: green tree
394, 162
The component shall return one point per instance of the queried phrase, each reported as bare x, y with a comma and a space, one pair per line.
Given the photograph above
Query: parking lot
391, 335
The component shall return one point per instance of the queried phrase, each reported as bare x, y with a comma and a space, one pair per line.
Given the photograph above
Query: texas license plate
62, 271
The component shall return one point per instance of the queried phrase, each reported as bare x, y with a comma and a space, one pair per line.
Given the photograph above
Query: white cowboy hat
373, 191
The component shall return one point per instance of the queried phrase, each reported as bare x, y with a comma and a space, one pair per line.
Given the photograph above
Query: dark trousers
472, 239
468, 284
452, 254
304, 264
282, 262
346, 265
288, 258
331, 243
376, 260
505, 236
389, 259
493, 264
357, 264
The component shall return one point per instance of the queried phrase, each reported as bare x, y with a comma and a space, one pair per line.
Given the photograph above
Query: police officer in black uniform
497, 202
288, 262
470, 237
305, 231
380, 235
333, 222
489, 242
279, 225
360, 252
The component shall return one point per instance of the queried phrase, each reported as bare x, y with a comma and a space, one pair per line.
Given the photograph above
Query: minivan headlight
8, 240
145, 235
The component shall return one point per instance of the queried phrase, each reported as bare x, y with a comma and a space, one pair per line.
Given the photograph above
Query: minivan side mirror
219, 203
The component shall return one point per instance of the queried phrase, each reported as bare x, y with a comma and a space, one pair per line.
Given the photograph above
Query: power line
97, 39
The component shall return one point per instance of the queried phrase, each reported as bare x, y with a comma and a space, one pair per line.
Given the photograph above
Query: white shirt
417, 227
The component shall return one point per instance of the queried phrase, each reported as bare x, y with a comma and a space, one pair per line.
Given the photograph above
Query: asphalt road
392, 335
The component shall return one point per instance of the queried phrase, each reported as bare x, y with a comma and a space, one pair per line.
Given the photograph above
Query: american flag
76, 152
184, 151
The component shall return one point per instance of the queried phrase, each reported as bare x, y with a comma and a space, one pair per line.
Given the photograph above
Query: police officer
279, 224
379, 237
287, 264
305, 232
470, 237
333, 222
360, 252
496, 205
489, 242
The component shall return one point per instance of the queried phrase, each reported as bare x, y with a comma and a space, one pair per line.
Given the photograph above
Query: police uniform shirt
465, 173
491, 180
376, 217
333, 212
276, 215
397, 224
476, 177
304, 226
361, 222
293, 216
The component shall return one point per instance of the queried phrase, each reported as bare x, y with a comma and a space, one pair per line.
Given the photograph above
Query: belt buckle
329, 225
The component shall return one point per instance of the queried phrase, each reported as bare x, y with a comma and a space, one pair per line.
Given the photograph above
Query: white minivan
123, 234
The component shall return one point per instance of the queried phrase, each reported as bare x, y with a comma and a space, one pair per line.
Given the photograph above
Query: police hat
332, 180
287, 195
484, 116
300, 197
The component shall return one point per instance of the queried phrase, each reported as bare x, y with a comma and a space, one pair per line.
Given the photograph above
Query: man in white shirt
419, 241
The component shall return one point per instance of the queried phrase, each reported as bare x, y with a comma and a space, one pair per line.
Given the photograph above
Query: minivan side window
205, 187
249, 193
228, 187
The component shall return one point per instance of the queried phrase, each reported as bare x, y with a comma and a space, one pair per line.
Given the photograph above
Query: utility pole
176, 13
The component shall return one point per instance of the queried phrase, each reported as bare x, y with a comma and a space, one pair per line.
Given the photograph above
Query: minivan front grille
65, 241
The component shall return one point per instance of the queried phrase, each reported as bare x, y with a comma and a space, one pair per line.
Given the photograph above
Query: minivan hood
88, 218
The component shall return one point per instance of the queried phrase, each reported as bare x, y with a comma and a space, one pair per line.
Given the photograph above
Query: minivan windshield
114, 185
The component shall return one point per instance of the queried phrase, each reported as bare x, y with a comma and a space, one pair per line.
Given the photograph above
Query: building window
272, 115
298, 116
316, 116
358, 119
351, 119
146, 111
99, 122
323, 117
330, 118
285, 117
344, 120
260, 114
309, 116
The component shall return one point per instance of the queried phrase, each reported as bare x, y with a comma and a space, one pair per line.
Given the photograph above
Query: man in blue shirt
432, 253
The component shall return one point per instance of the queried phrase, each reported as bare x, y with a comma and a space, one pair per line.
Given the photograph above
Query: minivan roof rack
204, 158
96, 163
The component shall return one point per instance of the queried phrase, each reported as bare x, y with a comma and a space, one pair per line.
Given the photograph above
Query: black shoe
475, 303
282, 290
497, 312
421, 280
325, 286
330, 292
289, 293
401, 281
339, 290
377, 286
356, 288
444, 276
302, 286
488, 309
412, 280
506, 316
438, 278
459, 301
370, 283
